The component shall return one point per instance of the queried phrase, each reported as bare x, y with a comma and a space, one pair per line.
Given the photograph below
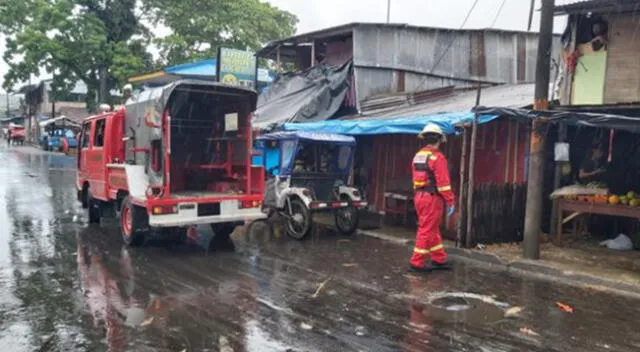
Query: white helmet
127, 87
105, 108
432, 128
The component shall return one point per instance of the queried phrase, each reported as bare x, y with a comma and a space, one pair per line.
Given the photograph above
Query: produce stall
602, 204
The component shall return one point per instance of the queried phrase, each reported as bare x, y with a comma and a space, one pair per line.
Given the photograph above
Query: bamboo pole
507, 162
472, 163
461, 194
515, 153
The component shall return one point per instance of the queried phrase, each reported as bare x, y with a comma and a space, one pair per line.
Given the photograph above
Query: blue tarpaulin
311, 136
399, 125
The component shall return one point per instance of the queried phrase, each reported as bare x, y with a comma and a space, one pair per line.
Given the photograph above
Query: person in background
592, 168
599, 30
432, 191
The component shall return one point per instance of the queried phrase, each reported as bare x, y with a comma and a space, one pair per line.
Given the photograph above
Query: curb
528, 268
382, 236
537, 270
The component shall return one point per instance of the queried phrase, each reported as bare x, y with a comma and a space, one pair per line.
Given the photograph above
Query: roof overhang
606, 6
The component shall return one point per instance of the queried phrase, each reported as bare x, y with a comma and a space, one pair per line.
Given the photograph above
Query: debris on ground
349, 265
320, 288
528, 331
565, 307
224, 345
306, 326
513, 312
147, 321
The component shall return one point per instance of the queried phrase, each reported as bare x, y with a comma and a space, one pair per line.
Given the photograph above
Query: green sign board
237, 67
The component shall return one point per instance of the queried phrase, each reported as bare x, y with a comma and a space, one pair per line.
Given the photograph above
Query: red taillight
250, 204
164, 209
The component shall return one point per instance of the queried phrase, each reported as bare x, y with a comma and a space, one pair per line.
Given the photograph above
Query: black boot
419, 270
438, 266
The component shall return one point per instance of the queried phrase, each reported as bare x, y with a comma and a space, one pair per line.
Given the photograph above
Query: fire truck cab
173, 157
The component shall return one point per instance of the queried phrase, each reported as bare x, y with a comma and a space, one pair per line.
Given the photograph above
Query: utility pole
533, 213
388, 11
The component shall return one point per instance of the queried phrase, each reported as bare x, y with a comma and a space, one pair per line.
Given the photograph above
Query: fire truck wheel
222, 233
134, 223
94, 209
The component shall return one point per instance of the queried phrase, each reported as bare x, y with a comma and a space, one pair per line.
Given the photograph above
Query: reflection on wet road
68, 287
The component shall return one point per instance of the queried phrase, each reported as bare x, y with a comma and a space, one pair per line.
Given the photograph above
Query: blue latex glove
450, 210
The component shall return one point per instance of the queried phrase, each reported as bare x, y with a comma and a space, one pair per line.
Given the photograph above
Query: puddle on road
463, 307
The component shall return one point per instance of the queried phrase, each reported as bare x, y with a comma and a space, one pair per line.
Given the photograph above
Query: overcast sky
314, 15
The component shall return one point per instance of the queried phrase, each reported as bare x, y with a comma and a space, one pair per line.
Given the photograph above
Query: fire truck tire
95, 210
222, 233
134, 223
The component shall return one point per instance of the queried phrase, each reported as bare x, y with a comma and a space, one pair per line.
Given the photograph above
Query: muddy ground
66, 286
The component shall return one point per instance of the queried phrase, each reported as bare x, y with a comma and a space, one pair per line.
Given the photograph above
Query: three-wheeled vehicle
308, 173
16, 134
174, 157
58, 139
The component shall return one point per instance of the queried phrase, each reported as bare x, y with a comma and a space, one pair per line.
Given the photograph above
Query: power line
493, 23
446, 50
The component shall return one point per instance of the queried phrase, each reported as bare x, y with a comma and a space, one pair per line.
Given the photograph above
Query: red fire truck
174, 157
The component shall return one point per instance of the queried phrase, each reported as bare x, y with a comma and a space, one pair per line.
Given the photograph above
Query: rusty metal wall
380, 51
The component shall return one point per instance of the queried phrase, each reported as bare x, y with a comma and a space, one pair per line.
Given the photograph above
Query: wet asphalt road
68, 287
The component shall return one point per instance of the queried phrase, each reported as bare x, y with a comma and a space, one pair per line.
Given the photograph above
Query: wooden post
535, 177
461, 194
472, 164
278, 69
388, 11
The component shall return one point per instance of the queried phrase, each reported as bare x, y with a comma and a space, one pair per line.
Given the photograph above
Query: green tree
97, 41
200, 27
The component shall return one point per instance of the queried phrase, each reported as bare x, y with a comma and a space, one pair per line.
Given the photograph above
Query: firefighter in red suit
432, 193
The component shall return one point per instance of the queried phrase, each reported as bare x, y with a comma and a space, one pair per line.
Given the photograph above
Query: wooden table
579, 206
399, 203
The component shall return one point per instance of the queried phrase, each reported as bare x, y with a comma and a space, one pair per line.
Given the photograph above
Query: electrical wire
493, 23
446, 50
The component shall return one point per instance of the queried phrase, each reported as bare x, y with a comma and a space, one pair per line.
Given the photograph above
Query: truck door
83, 148
96, 160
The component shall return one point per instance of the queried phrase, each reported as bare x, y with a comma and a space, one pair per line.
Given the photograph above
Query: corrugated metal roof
510, 96
346, 29
597, 6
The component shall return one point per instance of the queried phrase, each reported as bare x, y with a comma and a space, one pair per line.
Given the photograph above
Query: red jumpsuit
432, 191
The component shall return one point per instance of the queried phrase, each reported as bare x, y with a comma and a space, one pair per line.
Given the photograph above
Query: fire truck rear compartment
209, 137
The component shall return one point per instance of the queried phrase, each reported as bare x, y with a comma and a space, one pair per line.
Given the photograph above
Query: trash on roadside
147, 321
224, 345
513, 312
564, 307
621, 243
481, 247
528, 331
320, 288
306, 326
349, 265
